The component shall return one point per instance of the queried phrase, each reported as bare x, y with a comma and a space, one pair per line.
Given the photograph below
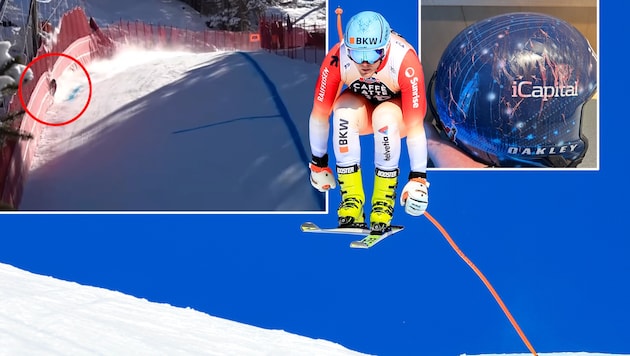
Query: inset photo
511, 84
195, 108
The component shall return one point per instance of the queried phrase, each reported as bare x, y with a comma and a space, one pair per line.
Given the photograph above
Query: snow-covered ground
41, 315
167, 12
174, 131
309, 13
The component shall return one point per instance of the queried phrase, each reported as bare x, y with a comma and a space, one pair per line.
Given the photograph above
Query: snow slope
172, 131
40, 315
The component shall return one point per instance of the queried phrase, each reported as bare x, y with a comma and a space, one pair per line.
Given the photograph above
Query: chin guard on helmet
510, 90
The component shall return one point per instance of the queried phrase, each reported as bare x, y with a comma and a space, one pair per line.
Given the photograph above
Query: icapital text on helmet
526, 89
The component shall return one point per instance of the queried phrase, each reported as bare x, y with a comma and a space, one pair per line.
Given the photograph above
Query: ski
373, 238
369, 239
312, 227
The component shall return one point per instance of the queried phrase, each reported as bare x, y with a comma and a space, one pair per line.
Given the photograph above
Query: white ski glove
322, 177
415, 196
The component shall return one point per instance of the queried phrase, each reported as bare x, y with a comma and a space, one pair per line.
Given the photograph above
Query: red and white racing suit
399, 79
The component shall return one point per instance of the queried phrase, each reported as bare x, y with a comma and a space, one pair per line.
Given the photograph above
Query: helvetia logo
388, 148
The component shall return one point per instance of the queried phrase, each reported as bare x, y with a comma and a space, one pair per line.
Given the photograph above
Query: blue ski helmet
510, 90
367, 36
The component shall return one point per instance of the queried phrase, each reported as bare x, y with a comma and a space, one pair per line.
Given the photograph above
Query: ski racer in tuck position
373, 83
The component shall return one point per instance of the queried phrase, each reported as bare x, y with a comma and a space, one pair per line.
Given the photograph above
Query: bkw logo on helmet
363, 41
510, 90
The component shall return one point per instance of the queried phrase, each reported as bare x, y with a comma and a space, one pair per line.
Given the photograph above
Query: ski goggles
371, 55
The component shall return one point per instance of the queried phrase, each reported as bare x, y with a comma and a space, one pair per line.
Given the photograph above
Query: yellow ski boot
383, 200
350, 212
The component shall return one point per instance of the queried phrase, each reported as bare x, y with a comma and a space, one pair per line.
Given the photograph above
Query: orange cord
484, 280
339, 11
448, 238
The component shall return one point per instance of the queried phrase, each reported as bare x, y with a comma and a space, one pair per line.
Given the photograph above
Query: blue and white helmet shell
509, 90
367, 30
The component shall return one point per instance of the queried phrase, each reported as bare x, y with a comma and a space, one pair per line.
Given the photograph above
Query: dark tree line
232, 15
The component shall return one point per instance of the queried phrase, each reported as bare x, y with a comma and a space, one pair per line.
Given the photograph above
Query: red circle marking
35, 60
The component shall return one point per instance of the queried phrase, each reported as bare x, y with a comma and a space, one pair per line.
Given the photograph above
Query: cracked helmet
509, 91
